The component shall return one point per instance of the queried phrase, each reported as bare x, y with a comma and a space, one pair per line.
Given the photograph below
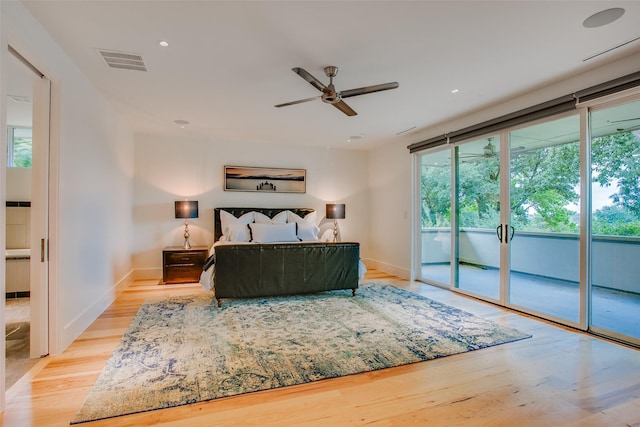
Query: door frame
53, 162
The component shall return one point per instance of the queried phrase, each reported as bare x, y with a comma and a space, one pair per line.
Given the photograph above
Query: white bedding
206, 278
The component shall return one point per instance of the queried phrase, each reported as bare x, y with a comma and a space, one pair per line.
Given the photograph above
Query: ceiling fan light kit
329, 93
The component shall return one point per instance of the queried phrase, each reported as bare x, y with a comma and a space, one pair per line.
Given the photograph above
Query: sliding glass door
544, 218
615, 221
435, 217
538, 238
477, 183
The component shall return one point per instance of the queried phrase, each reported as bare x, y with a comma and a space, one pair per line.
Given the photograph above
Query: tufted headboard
237, 212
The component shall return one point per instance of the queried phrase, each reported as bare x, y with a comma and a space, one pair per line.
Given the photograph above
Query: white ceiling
229, 62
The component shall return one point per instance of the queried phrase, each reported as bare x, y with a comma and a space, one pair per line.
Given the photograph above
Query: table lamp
335, 211
186, 209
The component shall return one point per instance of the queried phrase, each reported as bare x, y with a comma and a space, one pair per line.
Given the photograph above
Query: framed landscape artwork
269, 180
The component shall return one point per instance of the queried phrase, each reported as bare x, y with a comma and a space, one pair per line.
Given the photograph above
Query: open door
39, 340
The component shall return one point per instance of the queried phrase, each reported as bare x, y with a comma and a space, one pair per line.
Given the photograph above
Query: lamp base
335, 230
186, 245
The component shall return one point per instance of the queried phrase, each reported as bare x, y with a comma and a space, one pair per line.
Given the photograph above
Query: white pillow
280, 218
307, 228
266, 233
308, 232
310, 217
235, 229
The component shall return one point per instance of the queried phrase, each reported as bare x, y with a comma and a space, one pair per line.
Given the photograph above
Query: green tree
543, 183
543, 186
616, 158
615, 221
479, 192
436, 196
22, 152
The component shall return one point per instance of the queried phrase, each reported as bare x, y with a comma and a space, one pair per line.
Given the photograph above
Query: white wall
390, 165
169, 169
390, 207
91, 229
18, 183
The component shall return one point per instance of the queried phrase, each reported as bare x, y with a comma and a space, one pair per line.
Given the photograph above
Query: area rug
184, 350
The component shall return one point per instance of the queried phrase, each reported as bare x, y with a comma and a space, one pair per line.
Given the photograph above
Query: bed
260, 252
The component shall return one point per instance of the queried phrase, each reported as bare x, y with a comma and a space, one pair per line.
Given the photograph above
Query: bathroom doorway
26, 213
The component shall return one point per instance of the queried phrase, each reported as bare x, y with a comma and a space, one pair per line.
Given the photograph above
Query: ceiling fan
329, 93
488, 151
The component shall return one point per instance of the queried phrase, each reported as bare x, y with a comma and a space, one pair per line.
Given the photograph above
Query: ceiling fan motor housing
331, 97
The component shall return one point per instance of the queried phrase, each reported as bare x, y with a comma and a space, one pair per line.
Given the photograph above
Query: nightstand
180, 265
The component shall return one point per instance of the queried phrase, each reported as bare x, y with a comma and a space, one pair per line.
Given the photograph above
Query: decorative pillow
279, 218
308, 232
235, 229
267, 233
307, 228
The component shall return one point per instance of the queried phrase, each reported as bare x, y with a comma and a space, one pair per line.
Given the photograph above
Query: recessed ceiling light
354, 138
455, 90
183, 123
603, 17
163, 43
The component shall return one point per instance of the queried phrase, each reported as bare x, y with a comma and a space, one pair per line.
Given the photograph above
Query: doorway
26, 298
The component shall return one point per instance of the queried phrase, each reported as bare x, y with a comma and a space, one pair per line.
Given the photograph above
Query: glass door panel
615, 220
435, 217
545, 205
478, 214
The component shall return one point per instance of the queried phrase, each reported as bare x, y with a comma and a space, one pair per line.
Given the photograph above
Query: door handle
513, 231
499, 232
41, 250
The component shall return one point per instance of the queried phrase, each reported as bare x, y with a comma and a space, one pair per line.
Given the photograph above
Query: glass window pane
615, 219
545, 206
478, 190
435, 210
20, 147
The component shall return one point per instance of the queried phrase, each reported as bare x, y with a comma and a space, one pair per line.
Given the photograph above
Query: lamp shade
335, 211
187, 209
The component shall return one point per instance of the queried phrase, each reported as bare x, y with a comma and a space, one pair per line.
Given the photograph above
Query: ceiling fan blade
368, 89
342, 106
300, 101
308, 77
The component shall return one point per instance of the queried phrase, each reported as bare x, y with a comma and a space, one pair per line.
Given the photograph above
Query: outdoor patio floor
612, 310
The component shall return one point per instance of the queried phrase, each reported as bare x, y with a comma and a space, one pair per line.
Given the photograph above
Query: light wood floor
557, 378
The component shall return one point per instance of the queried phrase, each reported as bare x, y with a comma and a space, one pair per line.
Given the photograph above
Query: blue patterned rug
184, 350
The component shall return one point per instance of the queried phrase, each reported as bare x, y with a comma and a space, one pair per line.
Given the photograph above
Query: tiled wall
18, 227
18, 234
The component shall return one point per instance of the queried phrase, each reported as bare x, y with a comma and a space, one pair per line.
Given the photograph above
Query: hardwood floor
557, 377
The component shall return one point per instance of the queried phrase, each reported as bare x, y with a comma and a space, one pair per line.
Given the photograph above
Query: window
19, 147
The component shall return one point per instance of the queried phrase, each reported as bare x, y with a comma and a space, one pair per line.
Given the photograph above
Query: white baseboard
400, 272
75, 328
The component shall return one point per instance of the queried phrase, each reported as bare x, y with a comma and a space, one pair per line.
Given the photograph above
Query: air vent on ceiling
20, 99
123, 60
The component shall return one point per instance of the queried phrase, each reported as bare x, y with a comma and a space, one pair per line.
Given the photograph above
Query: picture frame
264, 179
